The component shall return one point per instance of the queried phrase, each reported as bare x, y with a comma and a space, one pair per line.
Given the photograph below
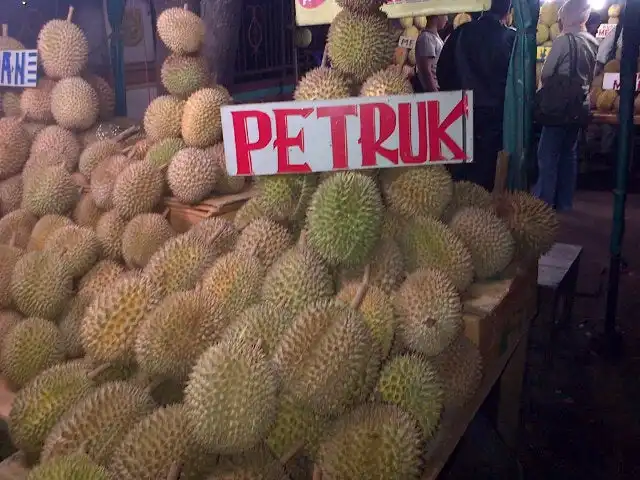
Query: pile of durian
318, 334
608, 101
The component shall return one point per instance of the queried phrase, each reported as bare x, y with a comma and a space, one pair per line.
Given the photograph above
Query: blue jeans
558, 166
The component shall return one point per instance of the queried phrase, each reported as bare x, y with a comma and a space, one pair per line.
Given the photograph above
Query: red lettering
284, 142
338, 117
370, 143
244, 146
406, 134
437, 132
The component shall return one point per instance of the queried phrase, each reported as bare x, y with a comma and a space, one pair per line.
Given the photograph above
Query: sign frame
348, 134
19, 68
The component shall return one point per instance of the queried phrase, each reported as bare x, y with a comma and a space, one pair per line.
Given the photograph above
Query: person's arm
446, 71
559, 50
425, 59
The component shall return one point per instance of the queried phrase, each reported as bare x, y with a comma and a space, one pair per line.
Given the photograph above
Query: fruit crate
182, 217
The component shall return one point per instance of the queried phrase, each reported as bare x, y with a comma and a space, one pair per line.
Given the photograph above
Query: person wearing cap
476, 57
558, 146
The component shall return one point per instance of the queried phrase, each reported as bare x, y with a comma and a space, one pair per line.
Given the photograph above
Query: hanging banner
611, 81
19, 68
605, 29
348, 134
322, 12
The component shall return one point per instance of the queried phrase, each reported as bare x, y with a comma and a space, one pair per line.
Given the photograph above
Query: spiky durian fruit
138, 189
323, 356
255, 464
182, 75
160, 154
36, 102
418, 191
264, 239
76, 466
180, 30
175, 333
69, 323
143, 236
109, 230
8, 258
101, 276
74, 104
297, 279
460, 369
388, 270
234, 282
154, 445
427, 242
343, 220
429, 312
533, 223
63, 49
247, 213
488, 239
10, 194
30, 347
231, 397
217, 232
179, 264
412, 383
8, 320
60, 144
98, 422
95, 153
363, 6
103, 179
377, 312
16, 227
201, 122
86, 213
14, 147
111, 322
42, 402
192, 175
50, 190
372, 441
77, 247
225, 184
278, 195
386, 82
322, 83
41, 285
360, 44
163, 118
106, 95
466, 194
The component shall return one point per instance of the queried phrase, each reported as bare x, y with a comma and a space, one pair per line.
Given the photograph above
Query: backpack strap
616, 38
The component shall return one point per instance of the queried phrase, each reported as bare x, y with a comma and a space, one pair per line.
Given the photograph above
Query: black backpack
562, 98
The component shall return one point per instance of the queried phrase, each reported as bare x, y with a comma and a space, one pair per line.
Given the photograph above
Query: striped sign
19, 68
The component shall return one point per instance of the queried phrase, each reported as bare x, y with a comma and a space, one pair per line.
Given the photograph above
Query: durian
10, 194
182, 75
106, 95
8, 258
69, 323
101, 276
77, 247
466, 194
36, 102
95, 153
86, 213
265, 239
225, 184
192, 175
142, 237
103, 179
14, 147
201, 121
160, 154
74, 104
322, 83
109, 230
180, 30
50, 190
63, 49
76, 466
163, 117
386, 82
58, 143
138, 189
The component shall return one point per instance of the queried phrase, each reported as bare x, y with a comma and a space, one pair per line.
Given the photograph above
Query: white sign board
19, 68
611, 81
406, 42
604, 29
348, 134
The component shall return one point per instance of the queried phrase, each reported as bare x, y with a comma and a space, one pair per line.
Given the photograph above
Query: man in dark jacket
476, 57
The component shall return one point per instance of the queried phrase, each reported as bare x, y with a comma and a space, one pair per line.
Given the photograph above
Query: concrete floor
582, 415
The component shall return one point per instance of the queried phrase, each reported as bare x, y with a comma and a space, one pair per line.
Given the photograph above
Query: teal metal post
628, 71
115, 12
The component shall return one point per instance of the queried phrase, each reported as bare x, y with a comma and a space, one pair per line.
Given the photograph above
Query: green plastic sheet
115, 12
519, 95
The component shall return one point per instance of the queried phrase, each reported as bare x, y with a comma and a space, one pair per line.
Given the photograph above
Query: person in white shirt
607, 49
428, 48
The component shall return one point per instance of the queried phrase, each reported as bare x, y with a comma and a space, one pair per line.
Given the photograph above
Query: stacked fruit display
320, 331
614, 12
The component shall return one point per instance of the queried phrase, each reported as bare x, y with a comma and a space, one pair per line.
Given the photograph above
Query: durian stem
292, 452
5, 30
12, 240
98, 370
362, 290
317, 473
70, 14
154, 384
17, 457
325, 56
122, 135
174, 473
166, 211
82, 449
302, 240
22, 118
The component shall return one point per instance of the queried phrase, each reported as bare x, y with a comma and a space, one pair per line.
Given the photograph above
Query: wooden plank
561, 254
6, 398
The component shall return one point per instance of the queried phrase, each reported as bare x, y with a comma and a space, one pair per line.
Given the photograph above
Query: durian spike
317, 473
70, 14
362, 290
5, 30
174, 473
98, 370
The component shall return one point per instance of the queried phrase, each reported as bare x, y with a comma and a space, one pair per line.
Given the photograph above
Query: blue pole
115, 12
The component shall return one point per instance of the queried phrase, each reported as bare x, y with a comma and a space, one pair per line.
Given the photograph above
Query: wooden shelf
611, 118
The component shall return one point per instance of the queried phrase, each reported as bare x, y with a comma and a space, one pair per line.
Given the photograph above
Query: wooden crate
182, 217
